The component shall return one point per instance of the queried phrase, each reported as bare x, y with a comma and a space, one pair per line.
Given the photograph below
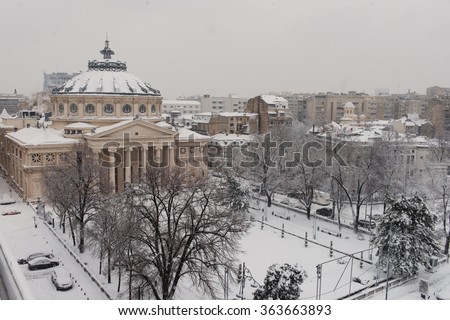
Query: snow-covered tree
236, 192
406, 235
282, 282
182, 230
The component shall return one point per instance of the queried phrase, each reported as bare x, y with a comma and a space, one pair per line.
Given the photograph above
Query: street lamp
314, 225
243, 274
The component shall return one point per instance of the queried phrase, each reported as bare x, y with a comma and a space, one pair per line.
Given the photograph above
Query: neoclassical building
117, 115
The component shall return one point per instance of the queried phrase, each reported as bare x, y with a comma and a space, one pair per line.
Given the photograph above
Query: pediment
136, 129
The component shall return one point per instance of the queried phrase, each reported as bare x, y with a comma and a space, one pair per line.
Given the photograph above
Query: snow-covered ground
261, 247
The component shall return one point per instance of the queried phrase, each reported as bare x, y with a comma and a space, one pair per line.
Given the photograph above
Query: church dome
349, 106
106, 76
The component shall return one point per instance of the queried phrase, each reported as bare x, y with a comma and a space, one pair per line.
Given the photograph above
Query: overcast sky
242, 47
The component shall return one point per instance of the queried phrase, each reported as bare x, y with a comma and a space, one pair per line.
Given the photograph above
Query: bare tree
182, 231
80, 174
264, 160
362, 176
337, 197
105, 230
306, 172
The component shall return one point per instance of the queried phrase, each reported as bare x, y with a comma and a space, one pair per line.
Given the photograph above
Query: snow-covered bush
282, 282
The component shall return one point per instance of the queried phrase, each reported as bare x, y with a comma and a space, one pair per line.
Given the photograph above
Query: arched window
142, 108
126, 109
108, 108
73, 108
89, 108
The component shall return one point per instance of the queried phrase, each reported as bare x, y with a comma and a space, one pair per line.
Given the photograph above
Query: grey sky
245, 47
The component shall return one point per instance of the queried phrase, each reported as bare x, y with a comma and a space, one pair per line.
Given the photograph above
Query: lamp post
243, 274
388, 260
314, 225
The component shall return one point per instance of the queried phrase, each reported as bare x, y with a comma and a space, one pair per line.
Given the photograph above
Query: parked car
42, 263
6, 202
61, 279
282, 214
368, 224
11, 213
325, 212
36, 255
321, 198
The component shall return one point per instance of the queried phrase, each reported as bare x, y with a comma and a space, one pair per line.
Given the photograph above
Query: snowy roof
271, 99
164, 124
349, 105
413, 116
106, 82
5, 114
106, 128
334, 126
40, 136
106, 76
185, 134
80, 126
238, 114
224, 139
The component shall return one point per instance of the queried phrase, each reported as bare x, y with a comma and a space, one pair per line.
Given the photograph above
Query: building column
135, 164
128, 164
112, 168
171, 156
143, 164
158, 152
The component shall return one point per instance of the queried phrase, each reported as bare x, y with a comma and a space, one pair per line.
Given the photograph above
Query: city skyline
245, 48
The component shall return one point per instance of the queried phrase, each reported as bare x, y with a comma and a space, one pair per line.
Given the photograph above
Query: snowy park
279, 234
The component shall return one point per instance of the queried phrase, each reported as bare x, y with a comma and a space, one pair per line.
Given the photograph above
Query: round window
153, 108
126, 108
61, 108
142, 108
108, 108
89, 108
73, 108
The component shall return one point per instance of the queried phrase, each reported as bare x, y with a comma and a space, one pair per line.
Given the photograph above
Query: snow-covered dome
349, 105
106, 76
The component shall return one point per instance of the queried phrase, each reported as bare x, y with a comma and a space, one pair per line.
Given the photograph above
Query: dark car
368, 224
11, 213
34, 256
325, 212
6, 202
42, 263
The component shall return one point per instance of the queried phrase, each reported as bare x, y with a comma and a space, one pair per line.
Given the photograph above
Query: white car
36, 255
61, 279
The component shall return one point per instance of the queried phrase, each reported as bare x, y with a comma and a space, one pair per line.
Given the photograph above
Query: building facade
273, 111
13, 103
118, 116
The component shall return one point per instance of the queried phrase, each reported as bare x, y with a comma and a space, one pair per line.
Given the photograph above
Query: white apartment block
185, 107
231, 103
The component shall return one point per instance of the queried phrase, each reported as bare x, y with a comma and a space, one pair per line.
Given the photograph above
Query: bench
332, 233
